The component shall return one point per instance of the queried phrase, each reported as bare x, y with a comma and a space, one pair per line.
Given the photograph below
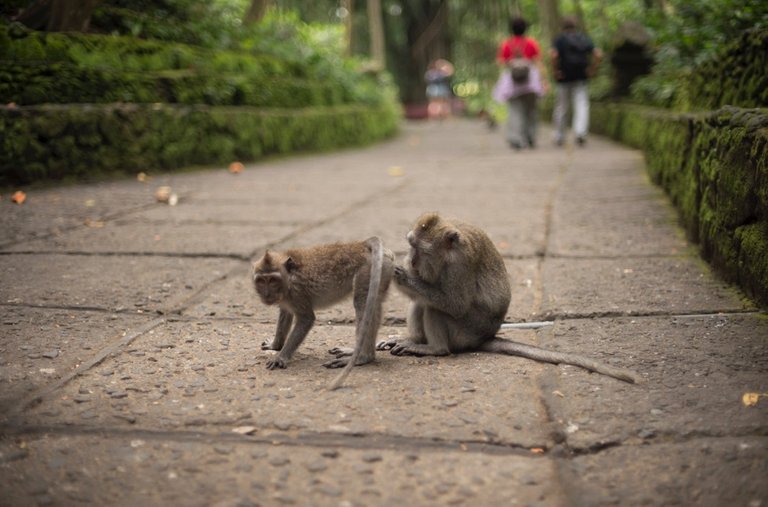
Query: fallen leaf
751, 399
236, 167
162, 194
89, 203
395, 171
19, 197
244, 430
558, 393
142, 177
537, 450
96, 224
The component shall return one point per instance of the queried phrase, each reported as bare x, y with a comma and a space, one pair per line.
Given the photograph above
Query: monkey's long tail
364, 327
509, 347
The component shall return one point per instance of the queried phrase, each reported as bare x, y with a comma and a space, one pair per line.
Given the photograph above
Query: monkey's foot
276, 363
267, 345
342, 361
340, 352
388, 344
339, 362
416, 349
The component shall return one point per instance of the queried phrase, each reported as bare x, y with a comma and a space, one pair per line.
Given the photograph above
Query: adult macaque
301, 281
460, 293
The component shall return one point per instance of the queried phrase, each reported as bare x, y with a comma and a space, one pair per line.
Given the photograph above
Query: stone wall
714, 166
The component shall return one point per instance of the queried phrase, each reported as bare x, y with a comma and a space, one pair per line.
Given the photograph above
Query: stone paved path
130, 365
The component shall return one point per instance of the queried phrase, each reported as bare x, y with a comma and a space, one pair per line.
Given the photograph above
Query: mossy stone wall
85, 141
714, 166
737, 75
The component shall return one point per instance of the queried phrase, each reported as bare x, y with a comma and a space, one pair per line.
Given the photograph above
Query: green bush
736, 74
59, 142
37, 67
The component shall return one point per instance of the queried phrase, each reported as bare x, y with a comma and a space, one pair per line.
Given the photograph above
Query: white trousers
576, 93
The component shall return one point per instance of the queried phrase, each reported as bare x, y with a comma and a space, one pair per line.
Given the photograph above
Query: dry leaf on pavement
19, 197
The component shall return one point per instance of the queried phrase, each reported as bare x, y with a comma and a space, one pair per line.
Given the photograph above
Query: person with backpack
522, 81
574, 60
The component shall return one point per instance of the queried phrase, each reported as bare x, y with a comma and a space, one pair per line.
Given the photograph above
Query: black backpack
576, 52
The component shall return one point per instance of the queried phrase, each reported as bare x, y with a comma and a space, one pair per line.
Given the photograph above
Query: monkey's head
270, 277
434, 243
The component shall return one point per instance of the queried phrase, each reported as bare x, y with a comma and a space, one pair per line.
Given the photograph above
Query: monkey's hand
406, 282
276, 363
401, 275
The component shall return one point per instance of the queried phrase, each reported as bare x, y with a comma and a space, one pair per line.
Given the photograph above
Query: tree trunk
348, 32
550, 18
59, 15
580, 15
376, 27
256, 11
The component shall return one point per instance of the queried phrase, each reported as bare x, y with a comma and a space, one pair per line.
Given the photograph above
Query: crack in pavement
365, 441
40, 395
116, 346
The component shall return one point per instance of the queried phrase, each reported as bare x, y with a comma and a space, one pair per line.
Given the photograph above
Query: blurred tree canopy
682, 33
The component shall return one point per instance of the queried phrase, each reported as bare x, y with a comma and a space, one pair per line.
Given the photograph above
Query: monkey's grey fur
459, 290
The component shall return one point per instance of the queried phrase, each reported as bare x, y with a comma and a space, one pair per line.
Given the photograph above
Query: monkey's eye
260, 282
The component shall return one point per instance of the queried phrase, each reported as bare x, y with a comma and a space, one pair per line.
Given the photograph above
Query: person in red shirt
521, 92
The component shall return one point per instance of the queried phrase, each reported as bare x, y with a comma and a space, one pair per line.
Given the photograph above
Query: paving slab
392, 219
634, 285
702, 471
41, 346
148, 418
55, 210
237, 240
234, 297
115, 283
696, 370
633, 227
192, 374
128, 469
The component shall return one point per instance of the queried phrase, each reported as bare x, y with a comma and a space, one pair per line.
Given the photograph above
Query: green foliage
87, 141
212, 24
65, 68
690, 35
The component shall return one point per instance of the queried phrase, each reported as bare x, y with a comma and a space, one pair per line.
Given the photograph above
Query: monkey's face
434, 242
269, 287
421, 260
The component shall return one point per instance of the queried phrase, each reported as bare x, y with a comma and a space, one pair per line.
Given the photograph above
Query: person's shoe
581, 140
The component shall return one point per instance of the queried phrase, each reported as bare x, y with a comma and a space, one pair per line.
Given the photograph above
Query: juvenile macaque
301, 281
460, 292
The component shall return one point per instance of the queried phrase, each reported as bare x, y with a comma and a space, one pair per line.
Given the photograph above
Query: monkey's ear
267, 257
290, 264
451, 238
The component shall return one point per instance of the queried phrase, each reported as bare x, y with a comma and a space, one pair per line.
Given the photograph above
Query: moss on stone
714, 167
